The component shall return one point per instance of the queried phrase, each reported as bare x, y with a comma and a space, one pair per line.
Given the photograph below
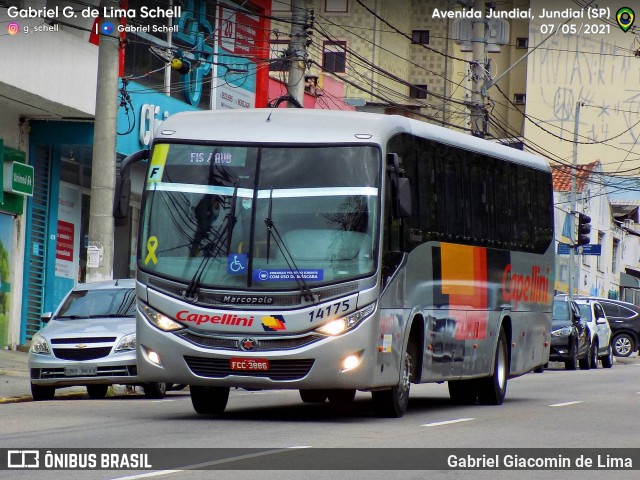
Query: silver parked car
89, 340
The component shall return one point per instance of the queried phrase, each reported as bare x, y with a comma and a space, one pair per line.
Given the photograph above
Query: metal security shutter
36, 254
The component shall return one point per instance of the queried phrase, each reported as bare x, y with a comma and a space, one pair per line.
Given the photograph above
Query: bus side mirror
122, 194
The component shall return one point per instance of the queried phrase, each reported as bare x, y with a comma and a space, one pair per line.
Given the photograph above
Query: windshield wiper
299, 278
214, 248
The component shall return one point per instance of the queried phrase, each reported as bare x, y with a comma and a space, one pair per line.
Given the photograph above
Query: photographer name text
92, 12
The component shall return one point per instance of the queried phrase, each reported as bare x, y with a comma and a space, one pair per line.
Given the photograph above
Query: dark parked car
624, 320
569, 335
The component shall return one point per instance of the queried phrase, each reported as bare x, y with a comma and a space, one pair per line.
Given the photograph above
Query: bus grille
81, 353
278, 369
266, 344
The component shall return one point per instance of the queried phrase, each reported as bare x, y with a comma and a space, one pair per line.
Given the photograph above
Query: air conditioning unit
628, 223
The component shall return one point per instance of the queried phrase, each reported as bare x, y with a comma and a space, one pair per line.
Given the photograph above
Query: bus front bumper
352, 360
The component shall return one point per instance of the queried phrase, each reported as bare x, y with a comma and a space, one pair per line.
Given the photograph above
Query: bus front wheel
392, 403
492, 389
209, 400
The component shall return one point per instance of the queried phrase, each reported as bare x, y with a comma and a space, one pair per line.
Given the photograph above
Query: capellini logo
13, 28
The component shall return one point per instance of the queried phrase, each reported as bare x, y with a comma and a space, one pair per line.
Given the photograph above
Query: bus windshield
265, 218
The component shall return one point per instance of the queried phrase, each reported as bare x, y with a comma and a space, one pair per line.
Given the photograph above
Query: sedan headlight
341, 325
160, 320
39, 344
561, 332
128, 342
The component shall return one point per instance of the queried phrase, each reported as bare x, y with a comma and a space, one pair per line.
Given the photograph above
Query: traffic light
584, 229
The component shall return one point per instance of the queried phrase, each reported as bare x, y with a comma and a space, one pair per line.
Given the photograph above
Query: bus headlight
158, 319
341, 325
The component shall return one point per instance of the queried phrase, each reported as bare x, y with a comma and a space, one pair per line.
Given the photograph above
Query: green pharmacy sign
18, 178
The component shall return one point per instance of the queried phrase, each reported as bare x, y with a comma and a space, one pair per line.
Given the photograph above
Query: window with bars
334, 56
420, 37
336, 6
418, 91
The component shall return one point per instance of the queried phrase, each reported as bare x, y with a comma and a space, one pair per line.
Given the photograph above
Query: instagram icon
13, 28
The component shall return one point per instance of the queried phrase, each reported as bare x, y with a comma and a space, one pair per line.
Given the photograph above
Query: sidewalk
14, 379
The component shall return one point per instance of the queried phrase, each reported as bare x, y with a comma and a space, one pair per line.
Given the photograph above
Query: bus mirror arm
122, 193
400, 187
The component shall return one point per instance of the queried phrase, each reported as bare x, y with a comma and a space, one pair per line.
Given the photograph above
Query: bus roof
308, 126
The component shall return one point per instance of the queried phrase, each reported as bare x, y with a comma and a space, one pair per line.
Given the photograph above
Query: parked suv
599, 332
624, 320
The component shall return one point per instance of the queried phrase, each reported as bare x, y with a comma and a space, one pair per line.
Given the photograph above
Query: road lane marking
447, 422
206, 464
565, 404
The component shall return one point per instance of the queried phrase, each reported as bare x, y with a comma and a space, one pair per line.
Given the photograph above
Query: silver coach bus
331, 252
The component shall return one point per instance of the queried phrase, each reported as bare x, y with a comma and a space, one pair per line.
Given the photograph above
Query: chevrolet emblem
81, 345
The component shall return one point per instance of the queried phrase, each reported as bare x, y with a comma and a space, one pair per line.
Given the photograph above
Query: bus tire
392, 403
313, 396
463, 392
492, 389
342, 396
209, 400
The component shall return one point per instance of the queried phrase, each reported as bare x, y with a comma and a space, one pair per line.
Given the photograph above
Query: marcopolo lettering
251, 300
226, 319
532, 288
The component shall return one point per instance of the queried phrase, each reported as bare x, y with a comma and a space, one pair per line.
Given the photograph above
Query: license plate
249, 364
82, 371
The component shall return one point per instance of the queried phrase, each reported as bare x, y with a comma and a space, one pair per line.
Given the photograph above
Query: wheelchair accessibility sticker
237, 263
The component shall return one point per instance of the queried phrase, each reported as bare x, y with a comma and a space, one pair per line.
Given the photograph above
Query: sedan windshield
561, 311
116, 302
260, 217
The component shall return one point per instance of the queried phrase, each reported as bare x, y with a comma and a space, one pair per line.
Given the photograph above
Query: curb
29, 398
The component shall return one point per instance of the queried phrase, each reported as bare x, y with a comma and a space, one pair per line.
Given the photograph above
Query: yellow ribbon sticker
152, 245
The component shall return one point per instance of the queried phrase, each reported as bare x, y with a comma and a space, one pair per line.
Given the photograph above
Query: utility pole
103, 165
574, 172
297, 52
478, 74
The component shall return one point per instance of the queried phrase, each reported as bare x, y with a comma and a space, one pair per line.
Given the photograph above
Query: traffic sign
592, 249
564, 249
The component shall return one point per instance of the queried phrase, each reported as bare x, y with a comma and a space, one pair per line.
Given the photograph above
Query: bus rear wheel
492, 389
392, 403
209, 400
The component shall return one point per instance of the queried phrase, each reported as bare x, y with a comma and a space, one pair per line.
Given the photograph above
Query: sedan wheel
607, 360
39, 392
97, 391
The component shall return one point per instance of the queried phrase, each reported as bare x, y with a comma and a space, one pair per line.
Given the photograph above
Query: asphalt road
557, 409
